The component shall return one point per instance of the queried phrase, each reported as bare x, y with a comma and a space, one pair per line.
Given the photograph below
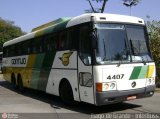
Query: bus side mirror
93, 38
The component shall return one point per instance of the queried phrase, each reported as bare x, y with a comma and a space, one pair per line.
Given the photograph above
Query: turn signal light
99, 87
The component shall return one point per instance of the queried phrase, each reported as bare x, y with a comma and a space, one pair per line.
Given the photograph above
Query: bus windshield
118, 42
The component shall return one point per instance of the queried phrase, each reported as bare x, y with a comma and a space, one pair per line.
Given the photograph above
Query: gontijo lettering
18, 61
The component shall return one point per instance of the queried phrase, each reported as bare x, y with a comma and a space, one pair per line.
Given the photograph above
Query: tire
13, 81
20, 84
66, 93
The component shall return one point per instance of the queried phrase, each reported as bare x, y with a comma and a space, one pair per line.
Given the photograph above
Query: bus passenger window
18, 49
49, 43
61, 41
85, 45
26, 47
72, 38
37, 45
12, 51
62, 38
5, 51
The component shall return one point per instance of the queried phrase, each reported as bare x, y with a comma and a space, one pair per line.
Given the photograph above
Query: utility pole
130, 3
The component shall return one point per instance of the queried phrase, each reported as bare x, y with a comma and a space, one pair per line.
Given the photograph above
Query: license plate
131, 97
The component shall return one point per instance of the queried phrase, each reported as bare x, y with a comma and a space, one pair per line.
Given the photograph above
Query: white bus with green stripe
94, 58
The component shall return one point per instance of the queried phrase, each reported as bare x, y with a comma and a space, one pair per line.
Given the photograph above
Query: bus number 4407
117, 76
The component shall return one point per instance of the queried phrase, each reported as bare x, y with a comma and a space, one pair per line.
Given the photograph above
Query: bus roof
103, 17
63, 23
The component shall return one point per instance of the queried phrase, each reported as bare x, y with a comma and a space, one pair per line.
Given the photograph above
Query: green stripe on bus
62, 25
39, 60
45, 70
143, 72
57, 21
36, 70
35, 79
135, 72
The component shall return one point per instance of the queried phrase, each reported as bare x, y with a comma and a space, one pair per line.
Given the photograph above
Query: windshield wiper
133, 49
104, 46
124, 52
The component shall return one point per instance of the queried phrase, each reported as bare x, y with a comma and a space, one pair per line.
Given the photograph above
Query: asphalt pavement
33, 104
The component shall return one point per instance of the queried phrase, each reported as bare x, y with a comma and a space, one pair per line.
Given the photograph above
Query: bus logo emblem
133, 84
65, 58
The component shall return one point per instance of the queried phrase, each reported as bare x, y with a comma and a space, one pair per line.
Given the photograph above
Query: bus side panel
7, 73
34, 72
55, 78
45, 70
64, 67
41, 70
14, 65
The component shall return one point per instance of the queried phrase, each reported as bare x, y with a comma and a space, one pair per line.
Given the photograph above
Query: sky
29, 14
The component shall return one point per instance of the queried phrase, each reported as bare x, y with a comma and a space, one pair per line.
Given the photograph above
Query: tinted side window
68, 39
18, 49
5, 52
26, 47
37, 45
62, 37
12, 50
72, 38
85, 44
50, 43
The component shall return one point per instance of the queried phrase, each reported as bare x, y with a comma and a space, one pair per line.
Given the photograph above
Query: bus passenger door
84, 65
85, 82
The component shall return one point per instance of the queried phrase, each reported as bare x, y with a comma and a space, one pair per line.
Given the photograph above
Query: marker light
150, 81
93, 18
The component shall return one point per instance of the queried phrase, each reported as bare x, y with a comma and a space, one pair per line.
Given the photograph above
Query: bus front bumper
110, 97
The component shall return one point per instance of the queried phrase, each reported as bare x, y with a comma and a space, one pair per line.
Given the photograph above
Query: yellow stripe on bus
28, 71
150, 71
31, 60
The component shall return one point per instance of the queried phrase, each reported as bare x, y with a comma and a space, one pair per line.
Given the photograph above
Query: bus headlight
106, 86
112, 86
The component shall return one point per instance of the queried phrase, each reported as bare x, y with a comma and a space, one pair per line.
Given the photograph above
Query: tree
8, 31
130, 3
97, 10
154, 33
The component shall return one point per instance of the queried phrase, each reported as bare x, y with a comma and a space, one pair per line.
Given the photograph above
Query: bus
96, 58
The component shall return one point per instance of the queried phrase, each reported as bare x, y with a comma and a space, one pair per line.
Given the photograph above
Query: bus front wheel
66, 92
